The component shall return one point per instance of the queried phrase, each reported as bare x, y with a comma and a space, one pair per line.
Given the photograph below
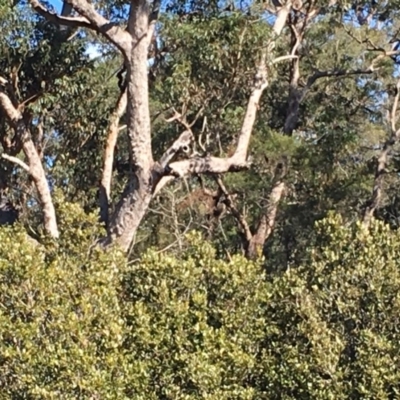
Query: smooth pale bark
34, 163
147, 176
112, 136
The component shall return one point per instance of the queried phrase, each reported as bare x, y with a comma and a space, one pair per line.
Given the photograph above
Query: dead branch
92, 20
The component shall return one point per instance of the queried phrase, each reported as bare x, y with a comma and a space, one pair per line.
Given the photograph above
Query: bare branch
394, 109
56, 19
235, 212
208, 164
92, 20
282, 15
182, 143
114, 33
336, 73
284, 58
17, 161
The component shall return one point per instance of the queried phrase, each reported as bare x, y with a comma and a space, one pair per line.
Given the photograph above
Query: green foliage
77, 322
82, 324
60, 323
194, 323
339, 313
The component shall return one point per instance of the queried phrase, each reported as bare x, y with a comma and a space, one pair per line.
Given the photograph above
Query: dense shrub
76, 322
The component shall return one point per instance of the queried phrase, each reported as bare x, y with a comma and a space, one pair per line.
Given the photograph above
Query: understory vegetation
199, 199
85, 324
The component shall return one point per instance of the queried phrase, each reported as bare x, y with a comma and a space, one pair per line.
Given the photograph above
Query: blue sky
57, 4
91, 50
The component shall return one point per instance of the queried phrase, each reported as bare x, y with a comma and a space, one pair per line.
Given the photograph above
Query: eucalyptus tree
148, 176
204, 67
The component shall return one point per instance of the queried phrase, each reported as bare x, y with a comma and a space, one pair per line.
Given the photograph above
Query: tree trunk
34, 164
130, 211
267, 222
137, 195
105, 184
42, 187
382, 162
147, 177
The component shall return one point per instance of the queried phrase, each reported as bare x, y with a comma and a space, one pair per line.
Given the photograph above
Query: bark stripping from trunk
382, 162
112, 136
33, 162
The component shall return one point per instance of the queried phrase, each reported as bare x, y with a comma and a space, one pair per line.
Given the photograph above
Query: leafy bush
76, 322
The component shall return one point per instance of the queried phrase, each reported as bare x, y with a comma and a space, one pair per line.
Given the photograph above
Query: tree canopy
248, 121
199, 199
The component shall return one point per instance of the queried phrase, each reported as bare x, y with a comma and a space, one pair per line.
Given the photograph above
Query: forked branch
75, 22
90, 19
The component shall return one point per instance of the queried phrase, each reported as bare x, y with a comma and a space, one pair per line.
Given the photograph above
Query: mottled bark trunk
131, 209
137, 195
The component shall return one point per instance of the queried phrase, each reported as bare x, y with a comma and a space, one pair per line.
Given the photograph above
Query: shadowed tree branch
92, 20
75, 22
